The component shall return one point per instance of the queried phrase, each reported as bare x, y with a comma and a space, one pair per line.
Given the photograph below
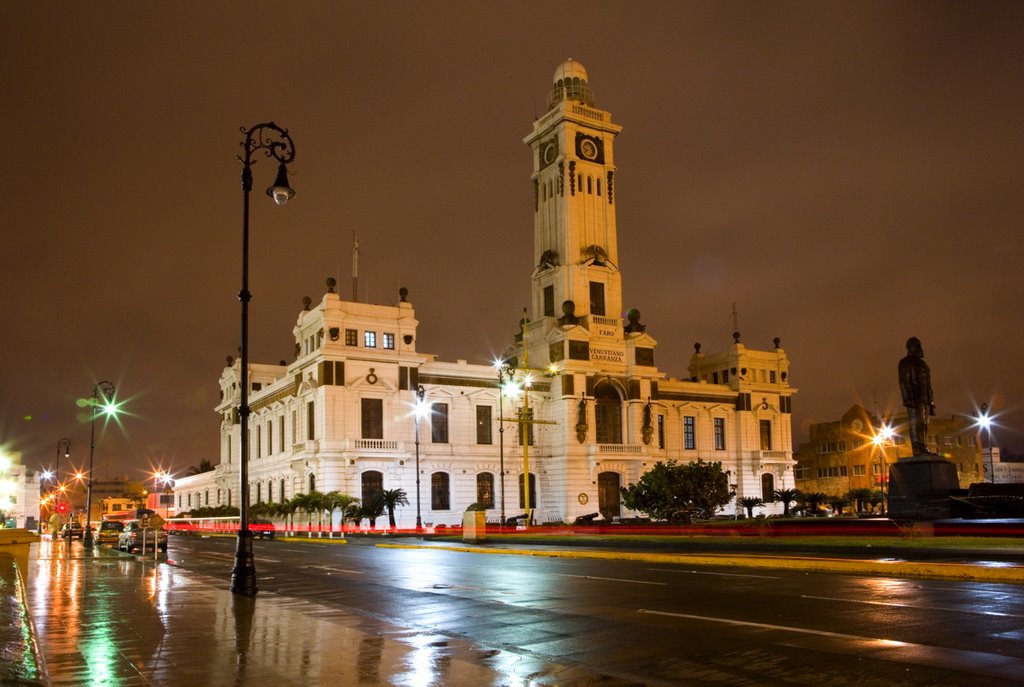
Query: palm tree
750, 503
393, 498
286, 509
335, 500
838, 503
374, 509
860, 497
812, 502
297, 503
787, 496
204, 466
354, 512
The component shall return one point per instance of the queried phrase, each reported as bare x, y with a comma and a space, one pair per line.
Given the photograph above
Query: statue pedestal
920, 488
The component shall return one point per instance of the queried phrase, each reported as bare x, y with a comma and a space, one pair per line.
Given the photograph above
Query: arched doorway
608, 495
373, 484
608, 414
768, 487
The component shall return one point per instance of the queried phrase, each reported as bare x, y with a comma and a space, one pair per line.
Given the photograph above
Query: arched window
282, 492
590, 185
608, 414
533, 491
259, 492
768, 487
206, 497
440, 495
270, 491
312, 483
373, 484
485, 490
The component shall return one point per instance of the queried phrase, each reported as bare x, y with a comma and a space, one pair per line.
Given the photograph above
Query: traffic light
62, 508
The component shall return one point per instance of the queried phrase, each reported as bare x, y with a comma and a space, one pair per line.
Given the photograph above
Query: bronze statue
916, 387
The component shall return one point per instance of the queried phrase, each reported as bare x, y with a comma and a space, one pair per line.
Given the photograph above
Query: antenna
735, 318
355, 267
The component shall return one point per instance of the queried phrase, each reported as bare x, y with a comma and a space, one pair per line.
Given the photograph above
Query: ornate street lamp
882, 438
63, 447
107, 389
505, 374
277, 144
418, 411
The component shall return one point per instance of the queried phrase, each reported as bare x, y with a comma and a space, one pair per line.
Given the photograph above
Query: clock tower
576, 312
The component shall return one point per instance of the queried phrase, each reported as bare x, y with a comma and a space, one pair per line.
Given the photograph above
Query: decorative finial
403, 294
306, 300
778, 342
736, 337
696, 347
230, 361
331, 283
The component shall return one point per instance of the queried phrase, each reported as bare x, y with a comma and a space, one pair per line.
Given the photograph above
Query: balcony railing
375, 445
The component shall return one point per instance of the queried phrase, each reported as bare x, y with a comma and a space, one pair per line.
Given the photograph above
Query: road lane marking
209, 554
720, 574
960, 660
612, 579
331, 569
945, 609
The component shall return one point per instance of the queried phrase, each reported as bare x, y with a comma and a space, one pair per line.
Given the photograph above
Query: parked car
264, 529
72, 530
131, 537
109, 532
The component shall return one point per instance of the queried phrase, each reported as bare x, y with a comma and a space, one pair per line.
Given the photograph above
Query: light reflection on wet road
105, 618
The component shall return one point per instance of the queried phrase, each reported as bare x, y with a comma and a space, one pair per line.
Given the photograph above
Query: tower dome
570, 83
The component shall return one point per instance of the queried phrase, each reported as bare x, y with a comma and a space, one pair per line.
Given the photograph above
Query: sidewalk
106, 618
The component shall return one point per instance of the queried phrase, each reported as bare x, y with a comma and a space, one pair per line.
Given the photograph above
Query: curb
947, 571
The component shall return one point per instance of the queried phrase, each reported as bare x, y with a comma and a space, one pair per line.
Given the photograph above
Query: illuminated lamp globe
281, 192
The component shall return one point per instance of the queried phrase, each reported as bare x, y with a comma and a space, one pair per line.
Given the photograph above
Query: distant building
998, 471
19, 492
600, 412
841, 455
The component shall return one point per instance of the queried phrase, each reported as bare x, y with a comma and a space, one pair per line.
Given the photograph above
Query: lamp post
884, 436
277, 144
505, 373
107, 389
985, 422
418, 412
63, 446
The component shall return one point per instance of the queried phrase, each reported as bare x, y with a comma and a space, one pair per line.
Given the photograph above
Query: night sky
848, 174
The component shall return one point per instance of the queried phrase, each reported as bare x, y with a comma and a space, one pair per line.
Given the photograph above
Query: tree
812, 502
750, 503
675, 491
204, 466
354, 512
392, 499
374, 509
335, 500
838, 503
787, 496
860, 497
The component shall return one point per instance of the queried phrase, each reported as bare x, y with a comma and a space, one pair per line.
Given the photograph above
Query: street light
419, 411
881, 439
63, 446
107, 390
277, 144
984, 421
505, 372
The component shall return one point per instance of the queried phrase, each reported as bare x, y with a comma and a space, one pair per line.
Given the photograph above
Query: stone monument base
921, 487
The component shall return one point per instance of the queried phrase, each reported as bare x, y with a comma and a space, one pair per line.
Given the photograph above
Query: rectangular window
771, 376
529, 430
766, 435
370, 339
259, 442
859, 470
661, 431
549, 301
483, 424
801, 472
596, 298
280, 434
310, 421
270, 437
485, 490
690, 433
440, 498
372, 418
351, 337
719, 433
439, 423
388, 341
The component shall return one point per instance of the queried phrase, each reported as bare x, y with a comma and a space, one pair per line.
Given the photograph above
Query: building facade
19, 492
842, 455
595, 410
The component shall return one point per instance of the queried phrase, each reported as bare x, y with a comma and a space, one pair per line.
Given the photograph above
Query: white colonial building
340, 416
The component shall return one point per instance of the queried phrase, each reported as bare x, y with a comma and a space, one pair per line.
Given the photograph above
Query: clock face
856, 425
588, 150
548, 153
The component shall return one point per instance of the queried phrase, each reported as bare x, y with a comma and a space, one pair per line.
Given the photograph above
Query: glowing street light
882, 439
505, 374
276, 143
109, 408
984, 421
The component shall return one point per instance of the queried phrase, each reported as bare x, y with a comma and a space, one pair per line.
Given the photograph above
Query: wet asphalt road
652, 624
